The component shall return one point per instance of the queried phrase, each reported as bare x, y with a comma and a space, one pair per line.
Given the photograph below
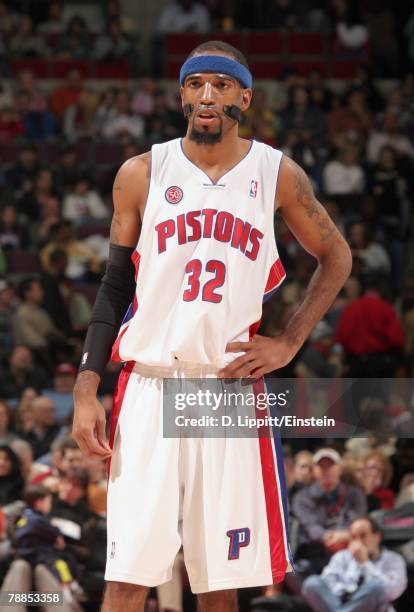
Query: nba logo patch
254, 186
174, 195
112, 555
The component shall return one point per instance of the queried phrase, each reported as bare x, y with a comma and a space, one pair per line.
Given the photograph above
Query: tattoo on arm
115, 227
306, 198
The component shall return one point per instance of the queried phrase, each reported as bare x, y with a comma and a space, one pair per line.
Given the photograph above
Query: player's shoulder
139, 164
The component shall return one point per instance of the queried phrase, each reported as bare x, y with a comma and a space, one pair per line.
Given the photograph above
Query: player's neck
224, 154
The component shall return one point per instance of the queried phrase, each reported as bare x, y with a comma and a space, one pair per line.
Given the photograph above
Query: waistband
182, 370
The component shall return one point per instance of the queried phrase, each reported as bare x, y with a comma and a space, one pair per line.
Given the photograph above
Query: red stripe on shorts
272, 496
117, 403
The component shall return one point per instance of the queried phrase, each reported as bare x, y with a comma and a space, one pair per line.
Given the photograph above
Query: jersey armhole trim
137, 248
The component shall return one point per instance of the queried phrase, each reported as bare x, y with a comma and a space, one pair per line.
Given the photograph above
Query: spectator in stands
388, 135
83, 204
383, 41
26, 43
7, 299
164, 122
50, 217
325, 509
78, 119
302, 472
377, 472
320, 95
13, 234
30, 470
8, 19
54, 287
82, 259
370, 333
75, 43
352, 33
6, 98
389, 184
320, 356
11, 126
54, 23
365, 576
62, 392
32, 324
26, 81
39, 126
67, 168
11, 479
344, 175
121, 123
6, 418
374, 256
352, 120
300, 117
32, 203
259, 121
142, 102
406, 310
184, 16
19, 372
113, 11
282, 15
21, 176
38, 542
113, 44
44, 429
69, 93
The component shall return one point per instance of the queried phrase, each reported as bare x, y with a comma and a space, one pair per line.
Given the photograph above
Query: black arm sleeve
112, 301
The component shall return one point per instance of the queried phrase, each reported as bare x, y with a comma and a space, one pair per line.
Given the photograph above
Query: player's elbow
339, 255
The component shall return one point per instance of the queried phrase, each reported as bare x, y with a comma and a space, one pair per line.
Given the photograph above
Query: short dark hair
33, 493
26, 285
375, 528
225, 48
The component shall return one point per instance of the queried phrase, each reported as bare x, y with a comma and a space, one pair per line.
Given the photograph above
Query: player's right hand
89, 423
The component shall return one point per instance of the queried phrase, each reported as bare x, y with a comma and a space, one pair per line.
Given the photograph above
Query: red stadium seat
263, 43
266, 69
120, 69
23, 262
180, 44
306, 44
61, 67
344, 70
172, 68
304, 68
39, 67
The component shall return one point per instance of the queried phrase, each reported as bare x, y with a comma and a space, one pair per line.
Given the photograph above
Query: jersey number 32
208, 291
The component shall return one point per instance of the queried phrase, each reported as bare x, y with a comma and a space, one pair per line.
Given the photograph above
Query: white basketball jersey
205, 260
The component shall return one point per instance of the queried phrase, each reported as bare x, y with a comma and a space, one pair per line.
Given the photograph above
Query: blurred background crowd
85, 86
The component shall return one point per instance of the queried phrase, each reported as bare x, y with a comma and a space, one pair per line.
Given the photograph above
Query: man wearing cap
325, 509
205, 258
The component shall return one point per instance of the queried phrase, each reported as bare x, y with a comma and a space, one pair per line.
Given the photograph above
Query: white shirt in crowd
175, 19
339, 179
89, 206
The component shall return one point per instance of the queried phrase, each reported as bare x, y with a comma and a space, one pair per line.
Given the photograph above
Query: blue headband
218, 64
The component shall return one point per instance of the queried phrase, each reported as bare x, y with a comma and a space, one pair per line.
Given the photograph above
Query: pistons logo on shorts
239, 538
174, 195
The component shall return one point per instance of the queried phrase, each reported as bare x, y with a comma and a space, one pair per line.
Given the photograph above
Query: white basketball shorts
222, 499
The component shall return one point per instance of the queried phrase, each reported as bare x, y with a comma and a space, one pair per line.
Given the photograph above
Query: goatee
205, 138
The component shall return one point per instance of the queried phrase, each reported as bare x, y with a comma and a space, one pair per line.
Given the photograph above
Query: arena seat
39, 67
306, 44
180, 44
61, 67
344, 69
263, 43
266, 68
303, 68
23, 262
120, 69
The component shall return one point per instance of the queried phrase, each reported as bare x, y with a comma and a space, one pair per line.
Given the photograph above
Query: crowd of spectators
62, 145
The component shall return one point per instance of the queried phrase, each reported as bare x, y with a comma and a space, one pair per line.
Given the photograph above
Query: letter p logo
238, 539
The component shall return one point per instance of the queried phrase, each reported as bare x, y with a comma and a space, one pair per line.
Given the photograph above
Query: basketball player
193, 249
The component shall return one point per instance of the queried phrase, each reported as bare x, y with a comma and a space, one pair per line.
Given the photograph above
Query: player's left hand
261, 355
